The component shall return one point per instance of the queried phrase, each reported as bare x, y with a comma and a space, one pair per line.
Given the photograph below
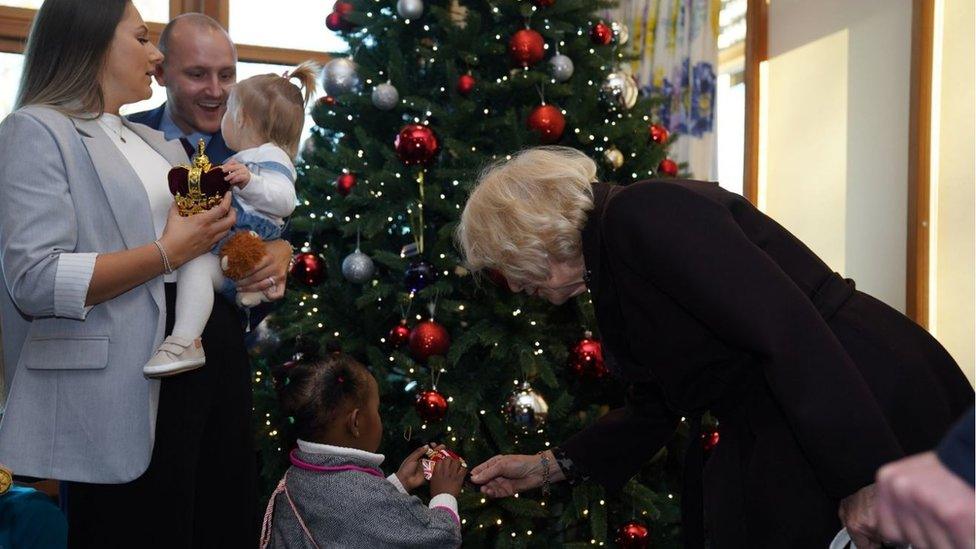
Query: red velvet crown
198, 187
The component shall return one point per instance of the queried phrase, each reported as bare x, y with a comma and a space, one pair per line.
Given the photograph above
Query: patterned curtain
676, 41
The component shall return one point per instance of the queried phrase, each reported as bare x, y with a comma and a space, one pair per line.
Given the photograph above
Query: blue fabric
30, 520
159, 119
271, 165
956, 449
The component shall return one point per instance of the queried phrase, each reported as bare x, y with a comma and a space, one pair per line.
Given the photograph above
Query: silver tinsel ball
385, 97
621, 31
561, 67
410, 9
619, 90
339, 76
613, 157
526, 408
358, 267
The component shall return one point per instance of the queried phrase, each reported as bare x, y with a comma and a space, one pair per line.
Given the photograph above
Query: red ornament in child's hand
601, 34
465, 84
526, 47
548, 121
668, 167
659, 134
431, 405
428, 339
434, 456
345, 182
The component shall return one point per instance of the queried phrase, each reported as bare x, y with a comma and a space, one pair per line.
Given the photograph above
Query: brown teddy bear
238, 257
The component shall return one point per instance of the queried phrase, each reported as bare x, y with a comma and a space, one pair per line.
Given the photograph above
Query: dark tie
190, 150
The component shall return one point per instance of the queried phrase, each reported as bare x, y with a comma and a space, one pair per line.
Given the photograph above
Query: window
730, 92
257, 30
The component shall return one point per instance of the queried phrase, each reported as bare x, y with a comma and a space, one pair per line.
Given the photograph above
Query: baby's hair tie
340, 379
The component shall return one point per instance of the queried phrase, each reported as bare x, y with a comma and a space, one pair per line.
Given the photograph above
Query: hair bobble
340, 379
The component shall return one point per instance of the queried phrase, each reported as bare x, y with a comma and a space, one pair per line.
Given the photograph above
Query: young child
334, 494
264, 120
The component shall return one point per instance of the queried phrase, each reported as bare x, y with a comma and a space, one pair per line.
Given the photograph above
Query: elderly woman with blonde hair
815, 384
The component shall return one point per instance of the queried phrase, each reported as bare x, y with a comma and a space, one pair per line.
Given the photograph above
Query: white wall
837, 134
953, 282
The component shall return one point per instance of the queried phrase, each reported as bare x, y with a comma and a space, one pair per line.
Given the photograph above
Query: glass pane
246, 70
151, 10
256, 24
10, 66
156, 11
157, 99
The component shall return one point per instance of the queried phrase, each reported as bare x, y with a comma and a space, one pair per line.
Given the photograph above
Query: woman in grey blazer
87, 234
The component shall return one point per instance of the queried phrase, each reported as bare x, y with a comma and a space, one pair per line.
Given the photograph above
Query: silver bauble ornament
619, 90
385, 97
613, 157
339, 76
561, 67
410, 9
621, 31
526, 408
262, 339
358, 267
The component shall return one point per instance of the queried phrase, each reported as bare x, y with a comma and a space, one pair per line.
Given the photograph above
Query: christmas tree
431, 93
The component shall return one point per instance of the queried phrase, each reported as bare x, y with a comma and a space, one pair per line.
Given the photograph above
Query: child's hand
448, 477
411, 472
237, 174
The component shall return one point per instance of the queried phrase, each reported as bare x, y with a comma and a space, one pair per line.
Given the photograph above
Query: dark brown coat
705, 303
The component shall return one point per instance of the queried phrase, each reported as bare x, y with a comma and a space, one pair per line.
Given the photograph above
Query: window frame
15, 26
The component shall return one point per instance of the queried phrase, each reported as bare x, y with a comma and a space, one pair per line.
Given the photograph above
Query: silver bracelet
167, 267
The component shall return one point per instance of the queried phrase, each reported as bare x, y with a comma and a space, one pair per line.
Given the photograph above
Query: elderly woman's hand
857, 514
503, 476
271, 273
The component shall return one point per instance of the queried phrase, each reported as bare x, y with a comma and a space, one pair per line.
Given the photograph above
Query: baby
264, 120
334, 494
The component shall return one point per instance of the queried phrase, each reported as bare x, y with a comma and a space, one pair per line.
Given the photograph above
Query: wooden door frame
757, 51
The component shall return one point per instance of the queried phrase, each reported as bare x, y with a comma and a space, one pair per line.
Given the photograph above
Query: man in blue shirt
199, 68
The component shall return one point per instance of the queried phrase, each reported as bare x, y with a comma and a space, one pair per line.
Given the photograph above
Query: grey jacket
78, 406
353, 509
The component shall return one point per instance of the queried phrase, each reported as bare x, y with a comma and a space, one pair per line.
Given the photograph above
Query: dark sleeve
691, 248
956, 449
613, 449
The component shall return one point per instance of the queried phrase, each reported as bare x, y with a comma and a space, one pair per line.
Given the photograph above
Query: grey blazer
78, 406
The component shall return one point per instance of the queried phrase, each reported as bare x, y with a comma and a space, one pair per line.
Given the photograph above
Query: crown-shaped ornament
199, 186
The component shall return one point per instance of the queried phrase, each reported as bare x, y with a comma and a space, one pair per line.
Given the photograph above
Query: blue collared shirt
172, 131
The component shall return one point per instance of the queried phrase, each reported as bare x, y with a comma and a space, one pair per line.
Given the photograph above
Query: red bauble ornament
709, 439
400, 334
668, 167
543, 3
601, 34
431, 405
328, 100
342, 8
308, 268
586, 358
345, 182
428, 339
465, 84
334, 22
633, 535
416, 144
659, 134
548, 121
526, 47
